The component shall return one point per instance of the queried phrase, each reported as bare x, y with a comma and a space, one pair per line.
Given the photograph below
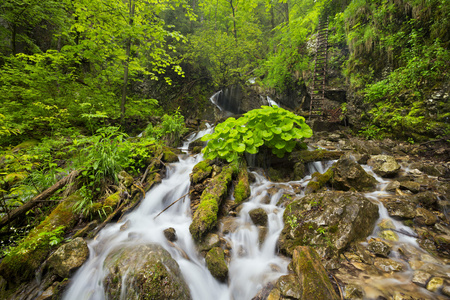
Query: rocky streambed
345, 219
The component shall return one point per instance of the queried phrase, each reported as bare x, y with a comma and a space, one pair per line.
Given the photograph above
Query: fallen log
16, 213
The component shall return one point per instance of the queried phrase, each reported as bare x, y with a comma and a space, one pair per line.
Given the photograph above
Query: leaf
239, 147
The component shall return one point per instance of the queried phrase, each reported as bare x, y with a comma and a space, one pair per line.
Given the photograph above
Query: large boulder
68, 257
144, 272
384, 165
215, 261
309, 279
328, 221
348, 175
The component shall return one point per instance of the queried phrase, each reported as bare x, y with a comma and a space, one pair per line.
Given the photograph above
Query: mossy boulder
242, 188
21, 263
258, 216
309, 279
348, 175
144, 272
319, 181
205, 217
68, 258
169, 156
201, 171
215, 261
328, 221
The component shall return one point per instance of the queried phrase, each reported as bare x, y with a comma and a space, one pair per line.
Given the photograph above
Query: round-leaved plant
274, 127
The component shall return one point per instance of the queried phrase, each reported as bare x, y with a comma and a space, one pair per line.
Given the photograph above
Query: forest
97, 92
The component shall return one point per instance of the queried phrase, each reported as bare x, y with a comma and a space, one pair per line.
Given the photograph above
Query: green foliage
274, 127
170, 130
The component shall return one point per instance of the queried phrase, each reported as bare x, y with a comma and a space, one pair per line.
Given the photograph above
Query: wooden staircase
320, 71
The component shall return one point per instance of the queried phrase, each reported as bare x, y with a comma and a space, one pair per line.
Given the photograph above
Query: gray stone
343, 217
68, 257
410, 186
388, 265
399, 207
425, 217
349, 175
384, 165
421, 278
379, 247
392, 186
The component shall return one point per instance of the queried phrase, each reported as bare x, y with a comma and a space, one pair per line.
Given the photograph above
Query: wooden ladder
320, 71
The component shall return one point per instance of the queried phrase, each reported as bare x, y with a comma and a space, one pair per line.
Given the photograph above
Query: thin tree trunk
125, 73
36, 200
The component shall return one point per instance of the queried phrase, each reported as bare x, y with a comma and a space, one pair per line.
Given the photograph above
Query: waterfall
252, 264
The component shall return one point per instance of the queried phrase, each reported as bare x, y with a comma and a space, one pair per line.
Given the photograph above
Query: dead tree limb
16, 213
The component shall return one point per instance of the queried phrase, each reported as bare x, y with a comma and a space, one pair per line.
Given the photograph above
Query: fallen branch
16, 213
154, 161
171, 205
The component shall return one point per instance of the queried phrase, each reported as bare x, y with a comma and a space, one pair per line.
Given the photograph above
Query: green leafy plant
274, 127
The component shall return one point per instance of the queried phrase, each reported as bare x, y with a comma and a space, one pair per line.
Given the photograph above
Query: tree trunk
126, 63
36, 200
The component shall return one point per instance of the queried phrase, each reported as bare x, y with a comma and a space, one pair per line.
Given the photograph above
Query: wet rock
384, 165
426, 199
446, 290
386, 224
68, 257
388, 235
215, 261
388, 265
329, 221
170, 234
379, 247
258, 216
262, 234
399, 207
229, 224
392, 186
425, 217
435, 284
265, 292
442, 228
308, 281
144, 272
210, 241
349, 175
412, 186
353, 292
421, 278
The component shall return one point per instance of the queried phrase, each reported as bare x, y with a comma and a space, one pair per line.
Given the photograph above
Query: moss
201, 171
169, 156
21, 263
242, 189
111, 202
215, 261
205, 217
319, 181
25, 145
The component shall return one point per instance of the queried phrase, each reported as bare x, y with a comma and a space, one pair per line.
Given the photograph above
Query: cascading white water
249, 269
271, 102
213, 99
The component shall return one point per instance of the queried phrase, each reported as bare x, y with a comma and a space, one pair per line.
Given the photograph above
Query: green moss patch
205, 217
21, 263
